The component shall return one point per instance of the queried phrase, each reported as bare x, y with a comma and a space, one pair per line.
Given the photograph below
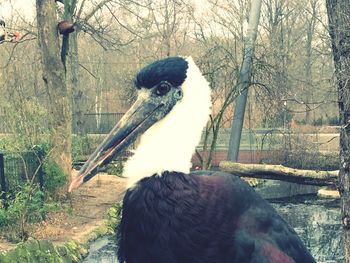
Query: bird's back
203, 217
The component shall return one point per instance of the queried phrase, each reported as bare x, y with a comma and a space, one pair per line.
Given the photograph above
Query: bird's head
168, 90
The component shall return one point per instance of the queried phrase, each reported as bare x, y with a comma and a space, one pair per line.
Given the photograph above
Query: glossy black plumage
172, 70
204, 217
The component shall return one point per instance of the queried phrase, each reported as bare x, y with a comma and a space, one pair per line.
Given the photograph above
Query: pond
103, 250
316, 220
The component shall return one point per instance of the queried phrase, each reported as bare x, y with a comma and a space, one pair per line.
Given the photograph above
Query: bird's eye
163, 88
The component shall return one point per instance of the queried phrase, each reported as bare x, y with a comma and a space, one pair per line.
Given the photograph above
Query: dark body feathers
172, 70
203, 218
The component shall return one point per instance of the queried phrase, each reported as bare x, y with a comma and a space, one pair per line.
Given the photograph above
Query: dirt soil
90, 203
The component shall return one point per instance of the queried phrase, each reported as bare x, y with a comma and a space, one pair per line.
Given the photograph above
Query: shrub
54, 176
115, 168
81, 146
312, 160
28, 206
4, 218
114, 216
302, 151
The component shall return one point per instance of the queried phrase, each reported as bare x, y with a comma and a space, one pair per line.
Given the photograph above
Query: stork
172, 215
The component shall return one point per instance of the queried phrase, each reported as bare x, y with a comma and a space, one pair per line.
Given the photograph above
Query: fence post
3, 181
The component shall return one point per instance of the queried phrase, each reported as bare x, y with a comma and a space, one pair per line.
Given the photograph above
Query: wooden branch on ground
282, 173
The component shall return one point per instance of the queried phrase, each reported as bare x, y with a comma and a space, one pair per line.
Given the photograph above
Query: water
102, 250
316, 220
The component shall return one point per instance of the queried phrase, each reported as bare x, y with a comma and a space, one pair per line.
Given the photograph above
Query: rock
43, 251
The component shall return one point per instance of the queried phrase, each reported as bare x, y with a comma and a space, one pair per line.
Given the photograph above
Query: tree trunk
59, 98
78, 102
73, 69
282, 173
244, 81
308, 69
339, 30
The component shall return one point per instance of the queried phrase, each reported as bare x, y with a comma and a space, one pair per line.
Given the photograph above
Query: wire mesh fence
96, 123
18, 169
87, 123
21, 168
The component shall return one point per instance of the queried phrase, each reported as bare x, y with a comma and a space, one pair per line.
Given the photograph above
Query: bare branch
88, 71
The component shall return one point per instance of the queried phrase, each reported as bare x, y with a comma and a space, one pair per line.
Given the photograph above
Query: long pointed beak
144, 112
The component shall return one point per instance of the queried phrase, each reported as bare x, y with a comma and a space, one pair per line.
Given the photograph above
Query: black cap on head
172, 70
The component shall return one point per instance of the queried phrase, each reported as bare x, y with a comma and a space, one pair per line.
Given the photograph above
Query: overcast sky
25, 8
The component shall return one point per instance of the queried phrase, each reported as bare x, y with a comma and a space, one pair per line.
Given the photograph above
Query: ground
90, 203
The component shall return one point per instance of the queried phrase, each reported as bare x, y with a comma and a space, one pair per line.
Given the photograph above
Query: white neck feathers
169, 144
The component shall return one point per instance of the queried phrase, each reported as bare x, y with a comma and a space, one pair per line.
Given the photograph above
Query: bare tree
61, 63
339, 29
244, 80
113, 24
59, 97
311, 23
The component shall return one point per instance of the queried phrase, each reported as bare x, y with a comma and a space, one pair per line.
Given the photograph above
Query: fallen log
282, 173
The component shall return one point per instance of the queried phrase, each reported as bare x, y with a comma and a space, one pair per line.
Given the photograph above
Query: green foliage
69, 210
5, 142
13, 236
54, 176
114, 216
4, 218
50, 206
44, 251
115, 168
28, 203
28, 206
81, 147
